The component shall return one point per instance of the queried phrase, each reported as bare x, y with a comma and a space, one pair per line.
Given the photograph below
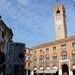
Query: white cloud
23, 2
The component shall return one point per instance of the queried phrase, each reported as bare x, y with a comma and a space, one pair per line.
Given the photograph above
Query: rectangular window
29, 51
73, 45
47, 58
40, 50
47, 49
3, 34
34, 52
63, 47
54, 48
54, 58
73, 56
35, 60
41, 58
64, 57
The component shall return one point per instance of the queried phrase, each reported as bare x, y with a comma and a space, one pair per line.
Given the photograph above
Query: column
70, 72
60, 71
32, 72
26, 72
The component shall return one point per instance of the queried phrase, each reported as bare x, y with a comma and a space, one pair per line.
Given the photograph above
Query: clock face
59, 22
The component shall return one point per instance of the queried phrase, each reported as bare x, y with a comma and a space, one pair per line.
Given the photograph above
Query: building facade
56, 57
5, 37
15, 58
28, 61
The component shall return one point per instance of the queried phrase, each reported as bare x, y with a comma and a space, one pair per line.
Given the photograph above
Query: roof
54, 42
29, 48
5, 27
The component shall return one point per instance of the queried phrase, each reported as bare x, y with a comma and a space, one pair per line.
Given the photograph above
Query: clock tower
60, 22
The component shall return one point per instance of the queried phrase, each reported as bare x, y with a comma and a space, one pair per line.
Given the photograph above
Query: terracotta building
56, 57
28, 61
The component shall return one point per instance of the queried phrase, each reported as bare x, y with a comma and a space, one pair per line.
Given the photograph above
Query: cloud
23, 2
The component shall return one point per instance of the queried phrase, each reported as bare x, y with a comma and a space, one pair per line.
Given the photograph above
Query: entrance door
28, 72
41, 74
65, 69
48, 74
73, 72
35, 72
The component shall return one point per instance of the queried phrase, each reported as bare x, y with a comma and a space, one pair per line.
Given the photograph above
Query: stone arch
55, 67
41, 68
47, 67
65, 69
35, 68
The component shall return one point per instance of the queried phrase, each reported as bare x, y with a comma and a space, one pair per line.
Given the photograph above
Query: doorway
35, 72
29, 72
73, 72
65, 69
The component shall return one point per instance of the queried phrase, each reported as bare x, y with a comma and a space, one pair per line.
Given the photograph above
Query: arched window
64, 55
58, 11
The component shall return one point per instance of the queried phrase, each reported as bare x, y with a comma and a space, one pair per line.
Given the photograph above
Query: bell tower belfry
60, 22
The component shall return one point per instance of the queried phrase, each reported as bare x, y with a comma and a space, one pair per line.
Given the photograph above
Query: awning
46, 71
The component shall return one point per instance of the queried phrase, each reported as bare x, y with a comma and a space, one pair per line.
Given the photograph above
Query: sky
32, 21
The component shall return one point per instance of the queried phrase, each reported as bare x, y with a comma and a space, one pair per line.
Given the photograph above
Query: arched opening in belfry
65, 69
58, 11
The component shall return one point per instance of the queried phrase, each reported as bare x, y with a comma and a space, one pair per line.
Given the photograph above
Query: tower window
63, 47
73, 44
58, 11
